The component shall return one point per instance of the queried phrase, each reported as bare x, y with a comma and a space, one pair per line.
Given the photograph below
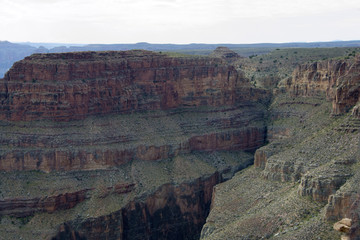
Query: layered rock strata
75, 85
140, 200
126, 139
93, 144
337, 79
153, 92
308, 172
172, 212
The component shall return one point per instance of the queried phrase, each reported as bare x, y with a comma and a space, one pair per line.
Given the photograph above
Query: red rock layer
59, 159
338, 79
74, 85
27, 207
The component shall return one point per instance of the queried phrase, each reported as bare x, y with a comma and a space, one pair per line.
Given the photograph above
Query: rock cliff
96, 144
172, 212
136, 145
308, 172
72, 86
337, 79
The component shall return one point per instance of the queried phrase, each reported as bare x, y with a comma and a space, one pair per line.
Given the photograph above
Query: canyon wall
75, 85
121, 145
309, 172
120, 93
172, 212
337, 79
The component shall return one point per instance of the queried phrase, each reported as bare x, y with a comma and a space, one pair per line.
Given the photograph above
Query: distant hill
12, 52
199, 46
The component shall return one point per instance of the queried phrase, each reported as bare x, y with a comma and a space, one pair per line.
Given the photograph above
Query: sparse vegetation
270, 68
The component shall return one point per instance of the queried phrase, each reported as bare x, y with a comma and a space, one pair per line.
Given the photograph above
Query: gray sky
179, 21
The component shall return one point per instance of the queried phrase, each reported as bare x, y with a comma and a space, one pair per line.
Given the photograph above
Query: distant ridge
12, 52
202, 46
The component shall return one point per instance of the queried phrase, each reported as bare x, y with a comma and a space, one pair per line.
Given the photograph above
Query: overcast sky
179, 21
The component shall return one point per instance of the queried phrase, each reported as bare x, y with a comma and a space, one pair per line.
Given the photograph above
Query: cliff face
27, 207
172, 212
317, 78
75, 85
167, 199
337, 79
94, 144
97, 144
309, 172
70, 86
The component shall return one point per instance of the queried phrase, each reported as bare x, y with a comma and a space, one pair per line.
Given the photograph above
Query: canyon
308, 172
141, 135
145, 145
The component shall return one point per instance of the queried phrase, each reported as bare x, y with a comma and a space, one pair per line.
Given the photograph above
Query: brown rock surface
338, 79
128, 144
93, 144
75, 85
225, 53
163, 91
296, 174
27, 207
185, 206
343, 225
142, 199
260, 158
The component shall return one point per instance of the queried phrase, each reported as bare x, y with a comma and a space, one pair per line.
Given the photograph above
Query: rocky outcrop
75, 86
317, 78
321, 187
140, 200
347, 92
225, 53
339, 80
92, 121
28, 207
260, 158
71, 86
86, 151
172, 212
356, 111
343, 226
345, 205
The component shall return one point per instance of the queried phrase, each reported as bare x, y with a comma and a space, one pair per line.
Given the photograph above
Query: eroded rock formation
28, 207
337, 79
156, 133
344, 226
128, 139
225, 53
71, 86
172, 212
308, 173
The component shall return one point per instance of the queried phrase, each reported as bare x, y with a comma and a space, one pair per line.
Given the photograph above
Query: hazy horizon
178, 21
